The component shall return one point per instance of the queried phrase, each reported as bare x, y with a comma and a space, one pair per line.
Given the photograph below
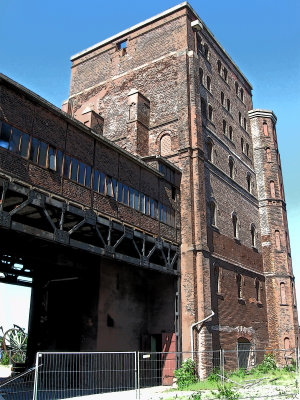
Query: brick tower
280, 281
166, 88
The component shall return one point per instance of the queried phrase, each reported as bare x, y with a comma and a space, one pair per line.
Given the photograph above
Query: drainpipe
193, 326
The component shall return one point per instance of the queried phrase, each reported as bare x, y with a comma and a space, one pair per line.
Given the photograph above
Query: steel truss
38, 213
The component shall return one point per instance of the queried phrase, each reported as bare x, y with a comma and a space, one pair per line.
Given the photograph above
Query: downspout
193, 326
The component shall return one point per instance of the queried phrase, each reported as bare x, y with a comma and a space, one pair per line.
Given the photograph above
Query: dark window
43, 154
102, 183
120, 192
239, 286
240, 118
114, 187
67, 164
126, 192
59, 161
247, 149
201, 75
173, 192
210, 112
209, 145
14, 143
205, 51
203, 107
253, 235
242, 94
219, 66
222, 98
5, 135
208, 83
225, 74
231, 164
242, 144
228, 105
257, 290
212, 211
142, 203
109, 188
235, 226
96, 181
34, 148
24, 145
52, 158
230, 132
249, 183
74, 169
199, 44
224, 126
88, 173
236, 88
147, 204
81, 173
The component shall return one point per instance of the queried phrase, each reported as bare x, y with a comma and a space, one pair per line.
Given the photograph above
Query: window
235, 226
230, 133
218, 279
239, 286
249, 183
236, 85
4, 135
222, 98
199, 44
209, 146
265, 128
277, 240
212, 213
122, 45
282, 293
242, 144
247, 149
245, 124
286, 343
52, 158
228, 105
240, 118
203, 107
208, 83
257, 290
205, 51
231, 165
219, 66
224, 126
132, 111
225, 74
210, 112
242, 94
67, 164
201, 75
253, 235
268, 154
272, 189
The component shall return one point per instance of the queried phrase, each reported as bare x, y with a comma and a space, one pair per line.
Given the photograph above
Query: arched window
272, 189
165, 145
240, 118
236, 88
265, 127
235, 226
277, 240
242, 144
230, 133
219, 66
210, 112
201, 75
245, 124
203, 107
268, 154
209, 146
253, 235
249, 183
222, 98
257, 290
286, 343
225, 74
213, 213
282, 293
247, 149
228, 105
208, 83
231, 165
239, 286
224, 126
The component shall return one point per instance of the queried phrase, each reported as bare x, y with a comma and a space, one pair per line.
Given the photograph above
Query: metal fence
242, 373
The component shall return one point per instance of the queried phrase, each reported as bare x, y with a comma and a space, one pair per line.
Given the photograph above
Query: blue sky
262, 36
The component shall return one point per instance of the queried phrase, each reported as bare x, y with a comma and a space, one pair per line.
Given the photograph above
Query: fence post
138, 392
35, 387
223, 368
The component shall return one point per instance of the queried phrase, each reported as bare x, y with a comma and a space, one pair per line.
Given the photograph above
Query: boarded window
272, 189
282, 293
286, 343
268, 154
165, 145
265, 127
277, 240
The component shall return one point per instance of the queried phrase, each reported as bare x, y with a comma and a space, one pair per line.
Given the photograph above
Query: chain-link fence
242, 373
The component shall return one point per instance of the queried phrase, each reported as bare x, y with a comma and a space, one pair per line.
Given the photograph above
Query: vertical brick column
280, 288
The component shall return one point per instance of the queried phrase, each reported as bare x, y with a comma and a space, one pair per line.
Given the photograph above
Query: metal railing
245, 371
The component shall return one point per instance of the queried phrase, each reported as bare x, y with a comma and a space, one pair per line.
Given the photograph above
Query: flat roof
152, 19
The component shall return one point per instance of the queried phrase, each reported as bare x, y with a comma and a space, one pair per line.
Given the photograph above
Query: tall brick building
166, 87
171, 147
